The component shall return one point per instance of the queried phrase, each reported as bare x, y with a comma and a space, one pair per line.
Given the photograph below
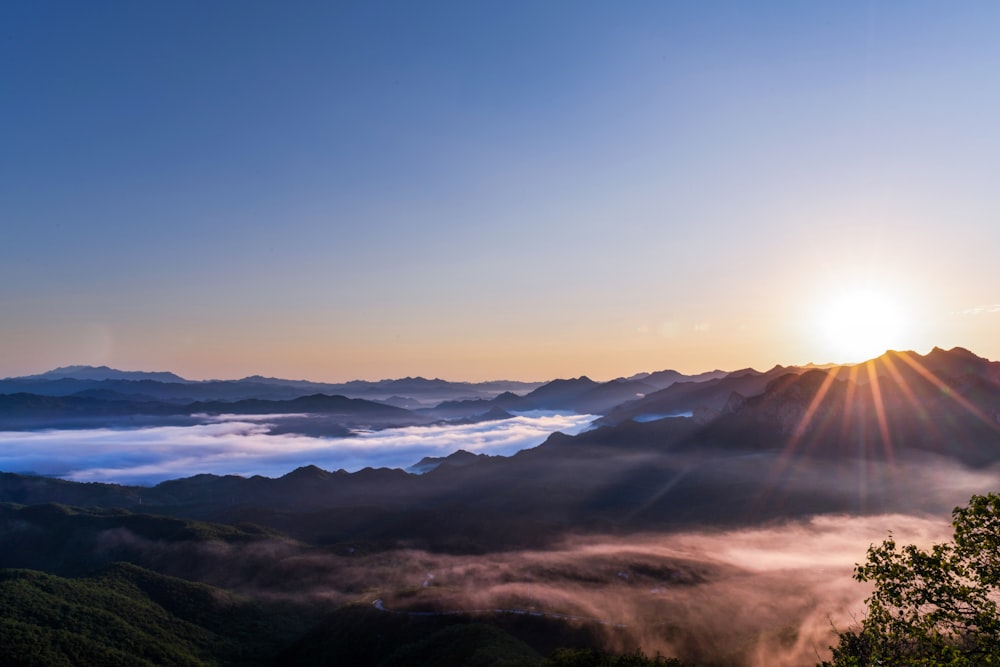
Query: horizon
819, 365
338, 191
169, 435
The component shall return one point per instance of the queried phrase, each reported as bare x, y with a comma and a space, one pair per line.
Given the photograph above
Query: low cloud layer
766, 596
243, 446
771, 596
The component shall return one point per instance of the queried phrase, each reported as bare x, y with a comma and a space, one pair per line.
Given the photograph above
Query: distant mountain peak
743, 372
582, 380
458, 459
82, 372
307, 472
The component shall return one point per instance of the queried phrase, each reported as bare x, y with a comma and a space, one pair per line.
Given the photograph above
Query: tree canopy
935, 606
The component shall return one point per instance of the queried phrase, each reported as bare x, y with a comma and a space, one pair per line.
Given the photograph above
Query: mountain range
902, 433
86, 396
737, 443
166, 386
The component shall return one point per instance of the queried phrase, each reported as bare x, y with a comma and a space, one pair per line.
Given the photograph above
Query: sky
519, 190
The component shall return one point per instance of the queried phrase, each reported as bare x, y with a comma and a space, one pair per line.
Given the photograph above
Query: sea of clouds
242, 445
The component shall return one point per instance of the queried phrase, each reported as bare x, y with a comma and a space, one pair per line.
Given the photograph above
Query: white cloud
244, 447
981, 310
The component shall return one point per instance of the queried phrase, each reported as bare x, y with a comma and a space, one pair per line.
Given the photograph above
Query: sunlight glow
863, 323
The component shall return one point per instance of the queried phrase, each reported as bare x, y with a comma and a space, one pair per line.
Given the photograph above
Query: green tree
936, 606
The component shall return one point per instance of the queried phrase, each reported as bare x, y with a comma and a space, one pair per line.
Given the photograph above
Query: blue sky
480, 190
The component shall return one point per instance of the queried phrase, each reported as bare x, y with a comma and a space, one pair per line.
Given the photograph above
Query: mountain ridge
615, 474
84, 372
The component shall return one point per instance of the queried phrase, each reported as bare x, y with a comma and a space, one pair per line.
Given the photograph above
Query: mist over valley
520, 334
635, 513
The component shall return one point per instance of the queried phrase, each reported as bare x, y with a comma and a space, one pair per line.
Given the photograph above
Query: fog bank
241, 445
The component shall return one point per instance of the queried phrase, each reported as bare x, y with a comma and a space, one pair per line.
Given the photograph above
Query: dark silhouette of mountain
909, 366
458, 459
170, 387
584, 395
955, 362
31, 490
451, 399
581, 395
103, 373
403, 402
949, 407
33, 411
314, 404
111, 395
578, 394
176, 392
706, 397
665, 378
495, 413
409, 388
460, 409
560, 393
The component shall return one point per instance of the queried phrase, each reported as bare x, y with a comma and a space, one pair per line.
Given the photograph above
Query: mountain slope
681, 398
126, 615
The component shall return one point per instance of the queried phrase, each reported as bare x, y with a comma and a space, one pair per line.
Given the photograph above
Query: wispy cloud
704, 596
244, 447
980, 310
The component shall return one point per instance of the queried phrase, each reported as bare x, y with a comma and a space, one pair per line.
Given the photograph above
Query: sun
862, 323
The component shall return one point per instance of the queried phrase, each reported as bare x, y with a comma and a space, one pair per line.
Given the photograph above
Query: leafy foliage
51, 620
936, 606
126, 615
